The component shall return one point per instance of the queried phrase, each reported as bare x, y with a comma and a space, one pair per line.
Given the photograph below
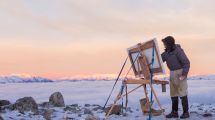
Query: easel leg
107, 115
157, 100
117, 98
145, 91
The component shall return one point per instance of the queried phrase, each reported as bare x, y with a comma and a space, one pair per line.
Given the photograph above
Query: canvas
142, 53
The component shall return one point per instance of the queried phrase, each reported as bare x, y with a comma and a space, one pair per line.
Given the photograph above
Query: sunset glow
61, 38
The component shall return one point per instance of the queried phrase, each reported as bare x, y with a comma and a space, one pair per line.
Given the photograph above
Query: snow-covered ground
201, 95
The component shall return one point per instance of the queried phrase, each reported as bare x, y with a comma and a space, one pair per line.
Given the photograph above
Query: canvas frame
141, 49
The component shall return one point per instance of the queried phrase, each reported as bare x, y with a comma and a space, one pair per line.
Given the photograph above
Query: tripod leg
157, 100
115, 101
118, 98
145, 91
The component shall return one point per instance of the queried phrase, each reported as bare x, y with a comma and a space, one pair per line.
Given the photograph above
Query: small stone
1, 118
97, 108
117, 110
207, 115
45, 105
56, 99
87, 105
9, 107
72, 109
48, 114
87, 111
74, 105
95, 105
91, 117
4, 102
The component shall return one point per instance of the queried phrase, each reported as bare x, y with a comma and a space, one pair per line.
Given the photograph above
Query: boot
184, 102
185, 115
174, 113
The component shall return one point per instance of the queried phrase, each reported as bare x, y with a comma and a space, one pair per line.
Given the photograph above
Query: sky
58, 38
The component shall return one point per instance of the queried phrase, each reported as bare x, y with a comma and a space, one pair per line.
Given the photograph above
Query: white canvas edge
160, 59
158, 50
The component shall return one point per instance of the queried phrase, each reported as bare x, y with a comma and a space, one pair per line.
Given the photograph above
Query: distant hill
33, 79
19, 79
108, 78
196, 77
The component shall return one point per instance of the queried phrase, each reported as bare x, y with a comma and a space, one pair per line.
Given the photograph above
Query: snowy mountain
33, 79
113, 77
196, 77
202, 77
103, 77
20, 79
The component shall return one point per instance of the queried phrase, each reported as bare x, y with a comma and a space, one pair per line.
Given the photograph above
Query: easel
142, 83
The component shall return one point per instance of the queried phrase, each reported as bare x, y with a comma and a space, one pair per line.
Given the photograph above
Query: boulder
56, 99
117, 110
26, 104
4, 102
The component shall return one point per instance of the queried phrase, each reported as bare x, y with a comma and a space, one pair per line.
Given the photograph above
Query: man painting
179, 66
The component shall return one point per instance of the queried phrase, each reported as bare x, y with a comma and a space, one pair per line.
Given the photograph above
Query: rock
4, 102
87, 111
97, 108
48, 114
72, 109
116, 110
26, 104
74, 105
87, 105
91, 117
45, 105
1, 118
207, 115
56, 99
9, 107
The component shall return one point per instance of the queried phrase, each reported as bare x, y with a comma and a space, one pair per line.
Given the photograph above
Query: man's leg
185, 106
174, 113
183, 92
174, 96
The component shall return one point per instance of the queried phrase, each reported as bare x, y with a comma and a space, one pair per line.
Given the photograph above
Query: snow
95, 77
22, 79
201, 95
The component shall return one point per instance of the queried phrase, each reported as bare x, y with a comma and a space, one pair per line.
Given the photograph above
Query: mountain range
37, 79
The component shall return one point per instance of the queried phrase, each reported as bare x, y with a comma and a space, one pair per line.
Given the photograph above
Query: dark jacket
177, 59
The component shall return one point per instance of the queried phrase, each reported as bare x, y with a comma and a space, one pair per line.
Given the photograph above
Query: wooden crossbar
142, 82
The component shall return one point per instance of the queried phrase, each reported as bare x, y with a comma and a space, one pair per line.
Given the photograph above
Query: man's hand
182, 77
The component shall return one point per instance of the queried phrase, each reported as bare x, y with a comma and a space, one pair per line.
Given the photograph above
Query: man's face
164, 45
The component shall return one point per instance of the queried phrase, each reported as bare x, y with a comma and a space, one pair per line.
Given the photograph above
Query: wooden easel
142, 83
